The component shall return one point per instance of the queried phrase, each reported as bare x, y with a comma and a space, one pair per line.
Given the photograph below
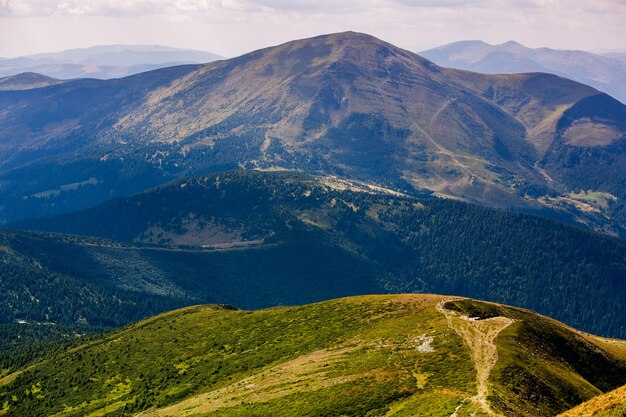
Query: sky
233, 27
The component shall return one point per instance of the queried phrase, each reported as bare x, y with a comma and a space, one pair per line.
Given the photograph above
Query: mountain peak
512, 46
26, 81
29, 76
511, 43
351, 36
336, 41
355, 50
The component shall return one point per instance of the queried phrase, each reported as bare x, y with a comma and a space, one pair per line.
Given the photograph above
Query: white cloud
104, 7
440, 3
158, 7
230, 27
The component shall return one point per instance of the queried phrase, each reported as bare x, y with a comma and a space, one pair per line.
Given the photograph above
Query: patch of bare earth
586, 133
196, 232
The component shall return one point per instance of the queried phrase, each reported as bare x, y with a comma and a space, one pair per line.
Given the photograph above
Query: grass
357, 356
347, 357
611, 404
545, 367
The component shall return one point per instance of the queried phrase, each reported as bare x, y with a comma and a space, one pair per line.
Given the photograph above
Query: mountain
104, 61
26, 81
402, 355
605, 72
345, 104
259, 239
617, 55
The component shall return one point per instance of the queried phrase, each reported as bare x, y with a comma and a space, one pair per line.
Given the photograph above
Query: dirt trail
441, 110
440, 149
479, 335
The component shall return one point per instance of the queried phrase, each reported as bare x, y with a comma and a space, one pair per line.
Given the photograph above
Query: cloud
150, 7
440, 3
230, 27
327, 6
563, 6
103, 7
164, 7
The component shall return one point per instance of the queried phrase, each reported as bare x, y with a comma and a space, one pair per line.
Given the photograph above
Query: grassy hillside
612, 404
257, 239
537, 354
401, 355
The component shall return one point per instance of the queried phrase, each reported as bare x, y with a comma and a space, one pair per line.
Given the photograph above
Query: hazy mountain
106, 61
621, 55
346, 104
605, 72
27, 81
413, 355
254, 239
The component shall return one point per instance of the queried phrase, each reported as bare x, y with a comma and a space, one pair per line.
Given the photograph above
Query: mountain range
104, 61
243, 190
403, 355
607, 73
346, 104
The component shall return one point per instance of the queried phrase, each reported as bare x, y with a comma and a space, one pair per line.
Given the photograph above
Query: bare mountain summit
346, 104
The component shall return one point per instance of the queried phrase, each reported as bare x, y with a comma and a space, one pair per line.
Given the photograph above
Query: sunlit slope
400, 355
612, 404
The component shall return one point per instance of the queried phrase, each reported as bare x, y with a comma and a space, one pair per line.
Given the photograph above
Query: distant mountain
256, 239
346, 104
26, 81
607, 73
103, 62
617, 55
403, 355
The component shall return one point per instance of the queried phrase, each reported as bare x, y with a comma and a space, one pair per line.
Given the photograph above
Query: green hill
401, 355
257, 239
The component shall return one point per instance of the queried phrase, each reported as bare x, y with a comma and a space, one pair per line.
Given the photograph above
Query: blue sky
233, 27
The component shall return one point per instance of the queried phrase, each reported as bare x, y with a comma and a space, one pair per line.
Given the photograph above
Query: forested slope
254, 239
